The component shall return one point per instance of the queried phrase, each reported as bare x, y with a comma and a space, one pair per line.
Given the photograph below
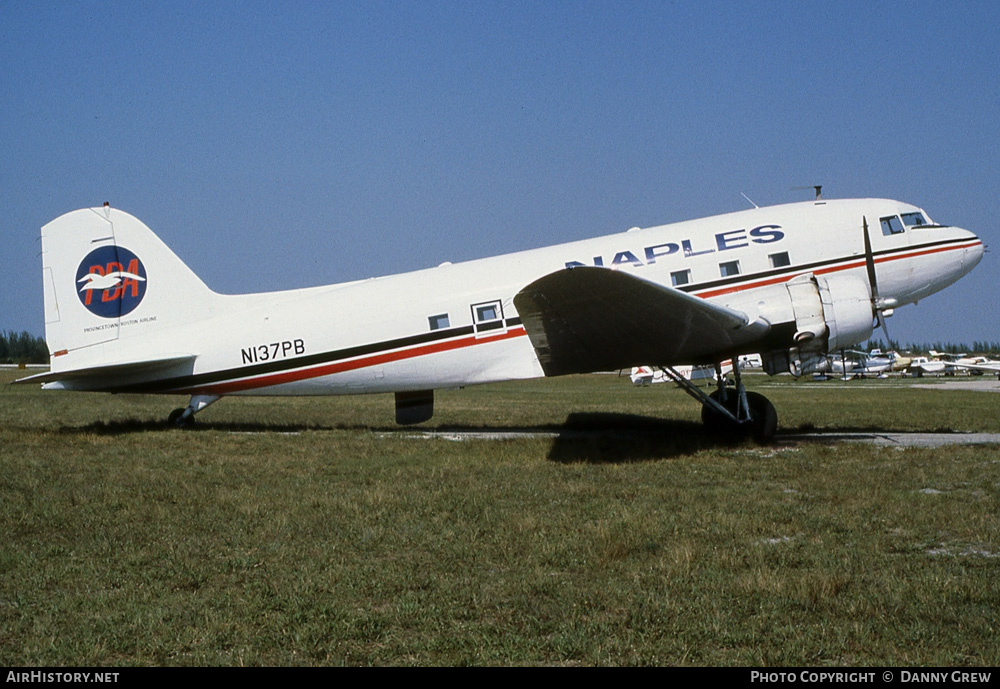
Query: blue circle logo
111, 281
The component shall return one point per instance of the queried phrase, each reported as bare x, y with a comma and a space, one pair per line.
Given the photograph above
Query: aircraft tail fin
111, 289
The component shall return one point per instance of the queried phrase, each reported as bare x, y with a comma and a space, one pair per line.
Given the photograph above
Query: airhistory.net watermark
61, 677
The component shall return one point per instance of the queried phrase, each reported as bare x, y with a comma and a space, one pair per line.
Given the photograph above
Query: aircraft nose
973, 252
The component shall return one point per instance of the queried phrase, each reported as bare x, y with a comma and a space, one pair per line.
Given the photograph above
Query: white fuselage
456, 324
375, 335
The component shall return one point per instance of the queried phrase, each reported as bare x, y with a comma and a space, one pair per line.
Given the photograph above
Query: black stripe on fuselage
806, 267
225, 375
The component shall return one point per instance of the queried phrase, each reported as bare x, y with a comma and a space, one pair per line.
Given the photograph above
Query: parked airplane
792, 282
649, 375
853, 363
921, 365
978, 365
973, 365
899, 362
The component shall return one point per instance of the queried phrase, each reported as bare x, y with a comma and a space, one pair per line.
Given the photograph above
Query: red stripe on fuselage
517, 331
823, 271
351, 365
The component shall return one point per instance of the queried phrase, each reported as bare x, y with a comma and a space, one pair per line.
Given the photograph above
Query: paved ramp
977, 384
872, 437
893, 439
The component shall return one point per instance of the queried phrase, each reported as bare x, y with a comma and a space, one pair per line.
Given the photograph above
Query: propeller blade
870, 265
873, 281
881, 322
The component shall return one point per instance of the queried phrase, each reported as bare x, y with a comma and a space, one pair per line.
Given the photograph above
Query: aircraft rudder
104, 269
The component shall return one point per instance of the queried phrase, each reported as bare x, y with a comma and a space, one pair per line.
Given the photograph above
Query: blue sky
276, 145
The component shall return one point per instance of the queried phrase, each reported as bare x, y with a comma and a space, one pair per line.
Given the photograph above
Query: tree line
22, 348
981, 347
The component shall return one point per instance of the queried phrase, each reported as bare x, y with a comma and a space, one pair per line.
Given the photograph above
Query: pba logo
111, 281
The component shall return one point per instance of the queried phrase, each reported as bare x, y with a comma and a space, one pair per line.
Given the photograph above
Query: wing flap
589, 319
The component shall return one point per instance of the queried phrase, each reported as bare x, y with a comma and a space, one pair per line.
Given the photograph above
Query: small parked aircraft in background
924, 366
979, 365
793, 282
973, 365
857, 364
648, 375
899, 362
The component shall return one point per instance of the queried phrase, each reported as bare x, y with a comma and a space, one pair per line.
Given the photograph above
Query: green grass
311, 531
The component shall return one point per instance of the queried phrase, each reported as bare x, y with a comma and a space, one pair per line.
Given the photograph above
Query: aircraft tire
763, 418
177, 420
761, 428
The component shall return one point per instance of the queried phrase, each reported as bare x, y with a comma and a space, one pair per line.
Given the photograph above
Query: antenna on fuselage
749, 199
817, 187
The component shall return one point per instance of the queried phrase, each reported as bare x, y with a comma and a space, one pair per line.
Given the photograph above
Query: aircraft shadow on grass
592, 437
583, 437
609, 438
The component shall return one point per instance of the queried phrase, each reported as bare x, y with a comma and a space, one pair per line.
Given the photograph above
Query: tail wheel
177, 420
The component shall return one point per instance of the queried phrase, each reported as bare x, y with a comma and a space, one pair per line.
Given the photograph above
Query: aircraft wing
981, 367
109, 376
589, 319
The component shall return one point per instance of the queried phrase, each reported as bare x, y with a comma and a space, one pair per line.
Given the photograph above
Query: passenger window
680, 277
914, 219
729, 268
891, 225
487, 312
439, 322
779, 260
488, 317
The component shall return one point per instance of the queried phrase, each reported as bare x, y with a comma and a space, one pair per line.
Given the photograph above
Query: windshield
914, 219
891, 225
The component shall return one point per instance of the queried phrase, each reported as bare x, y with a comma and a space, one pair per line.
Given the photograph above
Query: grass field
313, 532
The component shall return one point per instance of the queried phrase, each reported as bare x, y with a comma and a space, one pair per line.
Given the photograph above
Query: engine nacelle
844, 310
829, 313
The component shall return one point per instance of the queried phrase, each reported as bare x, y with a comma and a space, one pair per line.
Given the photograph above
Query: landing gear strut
184, 417
733, 413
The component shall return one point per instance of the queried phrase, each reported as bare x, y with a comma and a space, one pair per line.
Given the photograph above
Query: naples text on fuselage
791, 283
723, 241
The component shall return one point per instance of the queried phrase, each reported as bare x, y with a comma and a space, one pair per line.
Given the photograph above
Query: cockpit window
892, 225
914, 219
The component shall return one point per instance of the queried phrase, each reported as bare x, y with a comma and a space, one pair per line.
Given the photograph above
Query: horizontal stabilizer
588, 319
110, 376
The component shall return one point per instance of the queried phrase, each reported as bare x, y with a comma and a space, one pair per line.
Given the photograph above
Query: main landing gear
184, 417
732, 413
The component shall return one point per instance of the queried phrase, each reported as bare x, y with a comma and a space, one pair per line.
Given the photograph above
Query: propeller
878, 305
